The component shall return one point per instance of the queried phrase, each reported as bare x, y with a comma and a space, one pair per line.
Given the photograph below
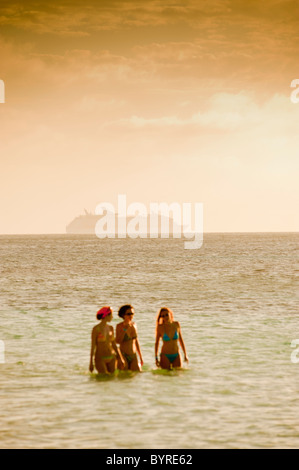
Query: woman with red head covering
103, 346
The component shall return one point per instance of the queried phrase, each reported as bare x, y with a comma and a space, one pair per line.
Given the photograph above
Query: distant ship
85, 224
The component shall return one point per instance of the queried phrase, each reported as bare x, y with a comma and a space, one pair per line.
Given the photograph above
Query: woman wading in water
126, 337
170, 332
103, 346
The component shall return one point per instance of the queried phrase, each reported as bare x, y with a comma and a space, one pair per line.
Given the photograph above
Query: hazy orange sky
164, 101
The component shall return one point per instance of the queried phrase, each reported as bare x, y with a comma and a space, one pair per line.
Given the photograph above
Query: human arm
116, 348
158, 336
139, 351
182, 344
134, 336
118, 352
92, 349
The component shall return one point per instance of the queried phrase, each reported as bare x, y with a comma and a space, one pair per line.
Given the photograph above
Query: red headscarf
104, 312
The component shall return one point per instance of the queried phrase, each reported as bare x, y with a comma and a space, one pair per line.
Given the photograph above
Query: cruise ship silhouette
85, 224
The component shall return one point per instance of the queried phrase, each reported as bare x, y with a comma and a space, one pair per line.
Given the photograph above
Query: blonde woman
169, 331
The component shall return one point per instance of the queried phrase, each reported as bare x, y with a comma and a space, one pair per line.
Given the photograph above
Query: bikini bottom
129, 357
172, 357
107, 358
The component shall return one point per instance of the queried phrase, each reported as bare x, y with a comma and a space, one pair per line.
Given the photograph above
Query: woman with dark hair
170, 332
103, 346
126, 337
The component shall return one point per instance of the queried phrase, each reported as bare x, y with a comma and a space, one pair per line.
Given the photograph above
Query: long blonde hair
159, 320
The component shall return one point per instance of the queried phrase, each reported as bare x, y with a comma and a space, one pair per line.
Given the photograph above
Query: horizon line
91, 235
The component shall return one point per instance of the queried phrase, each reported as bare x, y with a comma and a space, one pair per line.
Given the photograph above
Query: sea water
236, 299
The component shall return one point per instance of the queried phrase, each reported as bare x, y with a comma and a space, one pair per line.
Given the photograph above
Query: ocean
236, 299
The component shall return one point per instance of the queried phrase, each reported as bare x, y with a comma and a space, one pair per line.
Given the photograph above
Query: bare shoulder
94, 330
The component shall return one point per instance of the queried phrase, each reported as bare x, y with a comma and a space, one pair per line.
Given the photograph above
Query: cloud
225, 111
207, 16
158, 44
191, 97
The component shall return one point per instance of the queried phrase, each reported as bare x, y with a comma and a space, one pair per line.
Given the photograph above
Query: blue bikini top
165, 337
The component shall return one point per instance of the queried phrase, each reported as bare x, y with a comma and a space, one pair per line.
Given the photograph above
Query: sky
163, 101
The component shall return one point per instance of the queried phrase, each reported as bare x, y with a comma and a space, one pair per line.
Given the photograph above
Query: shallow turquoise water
236, 299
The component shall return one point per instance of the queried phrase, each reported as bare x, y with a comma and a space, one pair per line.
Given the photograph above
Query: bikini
165, 337
101, 338
128, 338
129, 357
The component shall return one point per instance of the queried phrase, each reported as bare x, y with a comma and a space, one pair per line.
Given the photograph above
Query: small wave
174, 371
103, 377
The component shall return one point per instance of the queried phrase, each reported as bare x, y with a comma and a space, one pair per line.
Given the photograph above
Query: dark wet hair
123, 309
